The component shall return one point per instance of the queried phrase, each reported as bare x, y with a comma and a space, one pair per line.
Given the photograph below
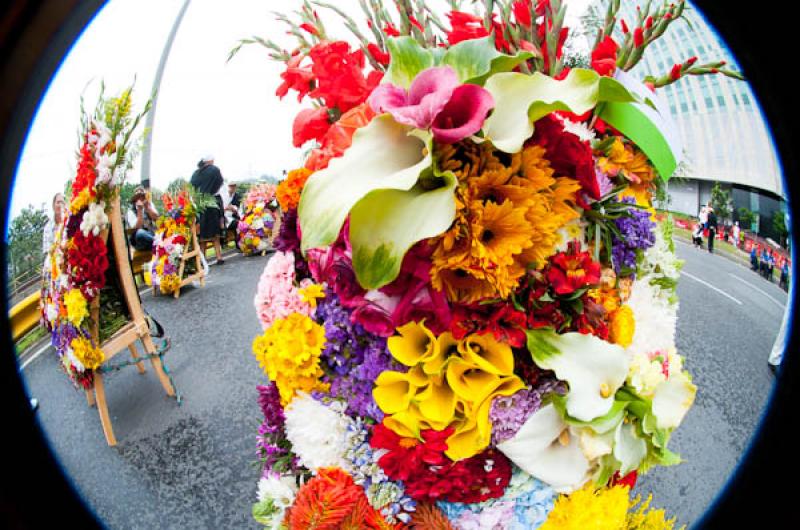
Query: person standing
711, 224
52, 225
232, 203
207, 178
736, 234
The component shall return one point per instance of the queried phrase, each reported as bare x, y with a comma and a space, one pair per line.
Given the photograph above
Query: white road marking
35, 355
776, 301
720, 291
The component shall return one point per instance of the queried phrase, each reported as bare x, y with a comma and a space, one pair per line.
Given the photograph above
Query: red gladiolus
339, 75
296, 78
310, 124
572, 270
522, 12
390, 30
414, 22
379, 55
465, 27
339, 136
309, 28
675, 73
604, 56
624, 26
648, 23
638, 37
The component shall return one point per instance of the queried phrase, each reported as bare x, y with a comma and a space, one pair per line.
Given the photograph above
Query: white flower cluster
316, 431
275, 494
109, 171
94, 219
655, 316
661, 265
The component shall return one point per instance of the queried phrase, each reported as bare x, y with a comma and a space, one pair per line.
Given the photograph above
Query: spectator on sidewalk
697, 235
736, 232
754, 258
52, 226
141, 220
711, 225
784, 281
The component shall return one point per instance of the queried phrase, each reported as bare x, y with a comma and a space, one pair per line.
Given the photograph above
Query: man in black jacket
711, 224
208, 179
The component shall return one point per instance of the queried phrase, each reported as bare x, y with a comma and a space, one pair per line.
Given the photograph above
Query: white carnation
316, 431
581, 130
655, 318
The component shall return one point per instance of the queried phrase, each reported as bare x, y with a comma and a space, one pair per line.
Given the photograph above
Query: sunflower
509, 210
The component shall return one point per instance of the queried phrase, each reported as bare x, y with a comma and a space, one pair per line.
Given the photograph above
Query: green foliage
721, 201
202, 201
25, 256
746, 218
779, 223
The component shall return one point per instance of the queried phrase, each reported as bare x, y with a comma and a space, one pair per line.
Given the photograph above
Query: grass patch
28, 340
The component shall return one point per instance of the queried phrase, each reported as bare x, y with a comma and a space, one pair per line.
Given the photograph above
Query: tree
25, 256
721, 201
746, 218
779, 224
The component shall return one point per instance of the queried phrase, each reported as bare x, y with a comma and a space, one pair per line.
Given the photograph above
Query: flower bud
675, 73
638, 37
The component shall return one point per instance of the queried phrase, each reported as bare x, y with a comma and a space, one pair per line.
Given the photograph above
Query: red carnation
572, 270
604, 56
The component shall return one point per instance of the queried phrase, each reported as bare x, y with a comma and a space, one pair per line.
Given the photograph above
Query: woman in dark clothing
208, 179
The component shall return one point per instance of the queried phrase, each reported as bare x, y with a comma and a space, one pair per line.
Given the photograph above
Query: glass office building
725, 137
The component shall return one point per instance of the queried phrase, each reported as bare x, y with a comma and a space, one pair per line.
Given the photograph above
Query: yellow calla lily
488, 354
415, 344
393, 391
447, 346
406, 423
437, 403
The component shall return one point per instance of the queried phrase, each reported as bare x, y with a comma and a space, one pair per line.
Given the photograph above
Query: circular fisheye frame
503, 274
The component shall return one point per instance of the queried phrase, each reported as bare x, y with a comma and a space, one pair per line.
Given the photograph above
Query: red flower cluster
467, 26
572, 270
428, 475
85, 177
339, 75
557, 296
604, 56
88, 261
296, 78
502, 320
332, 500
569, 156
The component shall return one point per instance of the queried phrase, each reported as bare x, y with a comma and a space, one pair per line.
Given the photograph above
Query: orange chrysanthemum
289, 190
509, 209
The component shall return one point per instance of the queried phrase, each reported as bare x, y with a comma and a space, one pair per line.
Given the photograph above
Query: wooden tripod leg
90, 397
150, 348
102, 408
135, 355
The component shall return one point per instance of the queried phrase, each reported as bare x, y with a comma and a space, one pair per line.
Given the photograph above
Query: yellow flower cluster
169, 283
288, 352
622, 326
310, 293
449, 383
80, 201
509, 211
77, 308
590, 509
633, 164
88, 355
647, 519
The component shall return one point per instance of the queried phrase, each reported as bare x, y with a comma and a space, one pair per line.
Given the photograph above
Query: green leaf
407, 59
475, 60
579, 92
384, 155
386, 223
600, 425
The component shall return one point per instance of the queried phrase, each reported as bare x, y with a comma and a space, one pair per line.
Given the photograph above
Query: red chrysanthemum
572, 270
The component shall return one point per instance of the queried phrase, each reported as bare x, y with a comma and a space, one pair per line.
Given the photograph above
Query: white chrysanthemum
94, 219
655, 318
278, 492
316, 431
581, 130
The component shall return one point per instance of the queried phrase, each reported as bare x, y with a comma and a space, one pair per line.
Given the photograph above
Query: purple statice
272, 447
352, 358
637, 233
288, 240
509, 413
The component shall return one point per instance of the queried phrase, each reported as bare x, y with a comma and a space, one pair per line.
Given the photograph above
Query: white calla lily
629, 448
593, 368
672, 400
549, 449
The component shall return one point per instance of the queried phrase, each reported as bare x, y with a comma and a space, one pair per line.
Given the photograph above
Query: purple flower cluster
509, 413
637, 233
288, 240
352, 358
272, 447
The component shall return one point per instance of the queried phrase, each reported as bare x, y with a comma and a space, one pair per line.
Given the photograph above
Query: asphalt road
192, 465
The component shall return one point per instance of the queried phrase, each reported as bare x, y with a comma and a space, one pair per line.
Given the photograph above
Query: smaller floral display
255, 227
173, 234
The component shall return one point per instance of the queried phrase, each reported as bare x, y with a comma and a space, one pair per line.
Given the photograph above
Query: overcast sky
205, 105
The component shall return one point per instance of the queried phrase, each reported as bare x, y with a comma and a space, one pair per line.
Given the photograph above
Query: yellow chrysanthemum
643, 518
310, 293
89, 356
622, 326
77, 308
590, 509
288, 352
509, 209
450, 383
169, 283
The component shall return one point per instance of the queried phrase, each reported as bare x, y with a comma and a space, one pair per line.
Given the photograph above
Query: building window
745, 100
684, 107
720, 101
709, 103
694, 106
735, 99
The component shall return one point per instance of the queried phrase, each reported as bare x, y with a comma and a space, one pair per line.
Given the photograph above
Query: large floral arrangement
75, 275
470, 322
173, 234
258, 218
